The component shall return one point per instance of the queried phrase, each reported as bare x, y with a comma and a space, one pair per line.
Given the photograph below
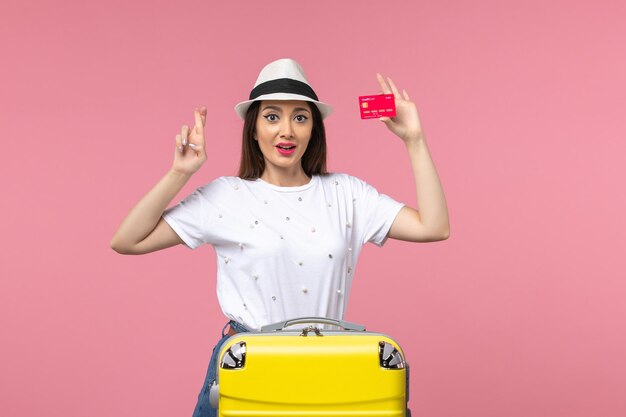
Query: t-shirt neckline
296, 188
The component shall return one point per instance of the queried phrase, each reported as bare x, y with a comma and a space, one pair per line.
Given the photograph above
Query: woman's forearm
433, 210
143, 218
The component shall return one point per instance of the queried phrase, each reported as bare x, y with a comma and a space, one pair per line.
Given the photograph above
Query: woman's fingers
383, 84
196, 147
179, 144
406, 95
395, 91
197, 134
190, 153
200, 117
184, 132
389, 87
192, 138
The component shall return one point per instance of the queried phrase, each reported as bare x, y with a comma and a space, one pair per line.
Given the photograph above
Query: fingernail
184, 141
193, 145
180, 149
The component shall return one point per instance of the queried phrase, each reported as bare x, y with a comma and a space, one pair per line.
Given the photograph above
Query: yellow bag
311, 372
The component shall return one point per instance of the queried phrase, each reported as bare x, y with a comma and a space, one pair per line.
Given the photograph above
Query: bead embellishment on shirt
240, 245
330, 255
220, 215
255, 276
287, 218
226, 259
300, 263
349, 269
299, 198
348, 225
312, 229
339, 292
273, 298
305, 290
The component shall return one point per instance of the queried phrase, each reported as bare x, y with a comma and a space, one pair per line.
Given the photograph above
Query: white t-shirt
284, 252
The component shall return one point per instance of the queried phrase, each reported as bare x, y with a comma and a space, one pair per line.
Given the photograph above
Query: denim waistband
236, 326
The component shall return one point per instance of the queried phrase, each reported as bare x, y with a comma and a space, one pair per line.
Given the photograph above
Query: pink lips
286, 148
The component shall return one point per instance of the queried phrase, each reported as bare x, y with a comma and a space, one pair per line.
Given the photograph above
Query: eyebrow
280, 110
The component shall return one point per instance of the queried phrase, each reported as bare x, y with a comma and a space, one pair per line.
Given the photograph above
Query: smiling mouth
286, 147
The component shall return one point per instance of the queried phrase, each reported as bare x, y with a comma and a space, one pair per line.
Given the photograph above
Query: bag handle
343, 324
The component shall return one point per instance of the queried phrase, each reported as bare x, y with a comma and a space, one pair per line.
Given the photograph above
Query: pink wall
520, 313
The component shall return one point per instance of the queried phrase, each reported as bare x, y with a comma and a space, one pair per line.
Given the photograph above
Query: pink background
520, 313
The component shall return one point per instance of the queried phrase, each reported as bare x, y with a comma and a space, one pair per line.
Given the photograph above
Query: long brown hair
252, 163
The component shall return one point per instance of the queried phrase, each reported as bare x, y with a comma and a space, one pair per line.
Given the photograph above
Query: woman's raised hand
190, 152
406, 123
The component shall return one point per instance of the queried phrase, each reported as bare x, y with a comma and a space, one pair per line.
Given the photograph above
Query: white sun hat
282, 79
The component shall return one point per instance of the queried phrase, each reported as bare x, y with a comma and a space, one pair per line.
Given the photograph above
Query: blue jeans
203, 408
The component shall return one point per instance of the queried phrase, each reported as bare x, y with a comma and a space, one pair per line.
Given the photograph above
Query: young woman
286, 232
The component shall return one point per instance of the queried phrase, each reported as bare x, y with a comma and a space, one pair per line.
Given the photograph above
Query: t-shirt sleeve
188, 218
375, 212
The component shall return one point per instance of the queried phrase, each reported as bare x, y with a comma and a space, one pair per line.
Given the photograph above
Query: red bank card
379, 105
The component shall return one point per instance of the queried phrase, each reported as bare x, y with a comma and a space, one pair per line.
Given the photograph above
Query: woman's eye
271, 117
301, 118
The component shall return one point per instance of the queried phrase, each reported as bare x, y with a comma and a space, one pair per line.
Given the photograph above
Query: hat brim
242, 108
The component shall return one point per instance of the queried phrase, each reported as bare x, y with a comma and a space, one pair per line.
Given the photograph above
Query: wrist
414, 139
178, 175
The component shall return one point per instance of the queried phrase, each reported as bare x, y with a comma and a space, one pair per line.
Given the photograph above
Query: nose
286, 129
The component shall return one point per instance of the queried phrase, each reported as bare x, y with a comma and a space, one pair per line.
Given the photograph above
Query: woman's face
283, 130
